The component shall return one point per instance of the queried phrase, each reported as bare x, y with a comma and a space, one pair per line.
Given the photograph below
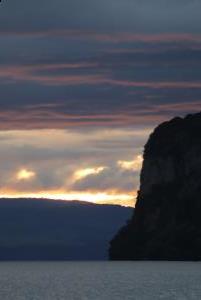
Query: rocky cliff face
166, 223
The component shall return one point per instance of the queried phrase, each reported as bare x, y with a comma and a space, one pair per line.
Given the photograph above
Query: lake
100, 280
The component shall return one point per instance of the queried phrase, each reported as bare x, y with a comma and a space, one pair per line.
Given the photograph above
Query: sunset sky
82, 85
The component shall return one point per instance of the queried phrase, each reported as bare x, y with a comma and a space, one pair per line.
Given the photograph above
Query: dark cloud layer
108, 63
106, 87
112, 15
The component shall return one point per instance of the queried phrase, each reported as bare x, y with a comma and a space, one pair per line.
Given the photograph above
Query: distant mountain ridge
166, 224
42, 229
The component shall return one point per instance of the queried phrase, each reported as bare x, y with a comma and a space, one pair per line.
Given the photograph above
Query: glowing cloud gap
98, 197
80, 174
134, 165
25, 174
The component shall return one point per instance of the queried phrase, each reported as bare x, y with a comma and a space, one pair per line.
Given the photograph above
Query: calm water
100, 280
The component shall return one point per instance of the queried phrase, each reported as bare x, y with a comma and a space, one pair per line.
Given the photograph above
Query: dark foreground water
100, 280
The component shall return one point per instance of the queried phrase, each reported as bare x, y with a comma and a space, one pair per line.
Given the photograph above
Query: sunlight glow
98, 197
80, 174
134, 165
25, 174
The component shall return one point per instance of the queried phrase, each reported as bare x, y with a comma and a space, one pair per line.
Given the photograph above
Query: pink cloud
28, 73
112, 37
41, 118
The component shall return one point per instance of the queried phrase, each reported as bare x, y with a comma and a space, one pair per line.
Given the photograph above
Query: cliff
166, 224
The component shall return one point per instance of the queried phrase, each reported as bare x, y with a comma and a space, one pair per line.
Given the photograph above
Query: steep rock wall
166, 223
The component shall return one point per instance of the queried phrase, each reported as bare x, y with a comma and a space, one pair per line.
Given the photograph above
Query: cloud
49, 84
25, 174
134, 165
114, 177
83, 83
83, 173
107, 197
72, 163
141, 16
73, 74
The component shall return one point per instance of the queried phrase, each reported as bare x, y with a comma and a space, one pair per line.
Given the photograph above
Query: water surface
100, 280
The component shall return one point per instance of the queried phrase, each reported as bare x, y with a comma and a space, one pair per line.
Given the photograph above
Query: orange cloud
25, 174
82, 173
100, 197
134, 165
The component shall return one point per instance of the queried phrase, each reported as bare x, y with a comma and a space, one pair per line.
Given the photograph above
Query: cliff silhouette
166, 224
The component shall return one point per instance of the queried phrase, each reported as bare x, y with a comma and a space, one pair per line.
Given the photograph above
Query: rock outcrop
166, 224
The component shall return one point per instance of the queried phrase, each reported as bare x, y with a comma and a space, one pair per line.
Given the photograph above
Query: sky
83, 84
